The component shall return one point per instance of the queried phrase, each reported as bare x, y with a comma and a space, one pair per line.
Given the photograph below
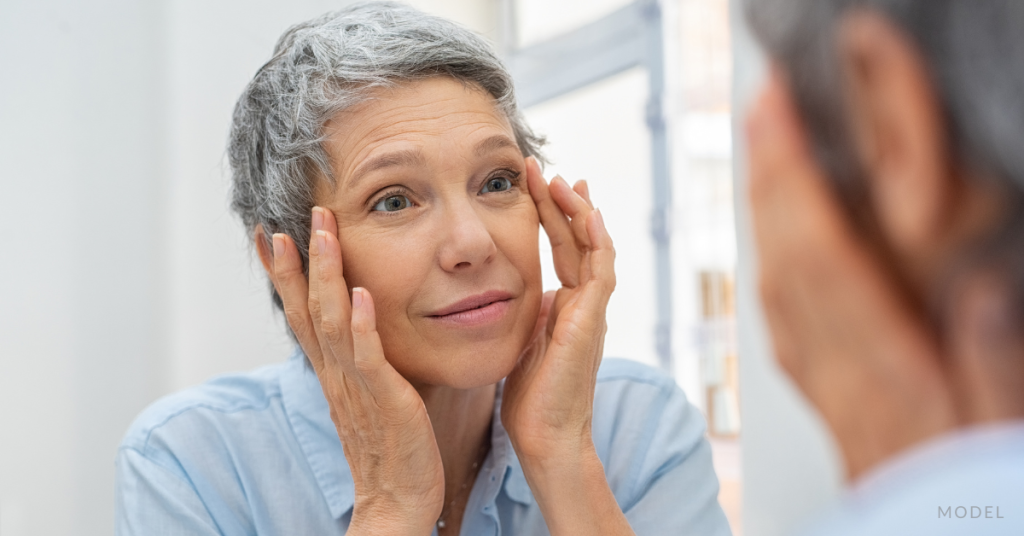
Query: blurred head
915, 109
405, 126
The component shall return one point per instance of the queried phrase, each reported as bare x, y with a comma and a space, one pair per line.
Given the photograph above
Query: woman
395, 198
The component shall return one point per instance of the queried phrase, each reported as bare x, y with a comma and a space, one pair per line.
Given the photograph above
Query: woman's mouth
475, 310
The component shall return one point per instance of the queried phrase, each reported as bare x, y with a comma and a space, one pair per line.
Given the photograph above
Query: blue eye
497, 184
392, 203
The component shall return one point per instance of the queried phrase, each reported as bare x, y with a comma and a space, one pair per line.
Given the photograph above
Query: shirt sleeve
151, 500
671, 487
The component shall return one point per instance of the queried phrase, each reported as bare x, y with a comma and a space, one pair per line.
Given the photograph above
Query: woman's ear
899, 133
265, 250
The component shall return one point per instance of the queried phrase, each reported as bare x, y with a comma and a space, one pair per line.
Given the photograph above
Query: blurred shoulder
208, 405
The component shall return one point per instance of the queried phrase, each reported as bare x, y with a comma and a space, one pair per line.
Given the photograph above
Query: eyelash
385, 195
515, 177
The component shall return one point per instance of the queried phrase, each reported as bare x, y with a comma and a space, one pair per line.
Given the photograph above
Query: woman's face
435, 220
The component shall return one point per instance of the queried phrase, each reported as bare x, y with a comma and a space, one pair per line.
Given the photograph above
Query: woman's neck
462, 423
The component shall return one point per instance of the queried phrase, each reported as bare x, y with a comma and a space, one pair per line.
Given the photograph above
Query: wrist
563, 467
574, 496
554, 448
374, 518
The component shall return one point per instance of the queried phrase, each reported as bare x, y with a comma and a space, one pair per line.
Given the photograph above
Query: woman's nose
466, 243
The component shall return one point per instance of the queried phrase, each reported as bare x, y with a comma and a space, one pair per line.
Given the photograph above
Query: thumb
368, 353
545, 311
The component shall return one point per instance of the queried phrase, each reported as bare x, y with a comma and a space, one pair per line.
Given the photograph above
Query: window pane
540, 20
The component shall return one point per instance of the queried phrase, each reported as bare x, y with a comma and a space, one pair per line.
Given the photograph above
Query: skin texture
412, 395
847, 306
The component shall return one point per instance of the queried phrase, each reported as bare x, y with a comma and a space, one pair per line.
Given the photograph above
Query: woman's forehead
407, 125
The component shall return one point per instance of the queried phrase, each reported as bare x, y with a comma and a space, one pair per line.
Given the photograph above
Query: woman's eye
497, 184
392, 203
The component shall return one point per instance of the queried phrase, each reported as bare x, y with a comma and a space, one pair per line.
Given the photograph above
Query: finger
602, 253
545, 311
368, 354
335, 306
599, 285
291, 285
566, 254
314, 301
573, 206
329, 223
583, 189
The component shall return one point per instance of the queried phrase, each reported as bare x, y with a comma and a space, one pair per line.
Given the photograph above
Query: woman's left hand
548, 399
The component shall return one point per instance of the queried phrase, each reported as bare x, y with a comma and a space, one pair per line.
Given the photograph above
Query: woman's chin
464, 369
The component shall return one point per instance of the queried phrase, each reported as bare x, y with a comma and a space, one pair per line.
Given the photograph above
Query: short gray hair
323, 66
974, 50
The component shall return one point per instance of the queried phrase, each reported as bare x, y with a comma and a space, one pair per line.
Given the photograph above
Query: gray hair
323, 66
974, 50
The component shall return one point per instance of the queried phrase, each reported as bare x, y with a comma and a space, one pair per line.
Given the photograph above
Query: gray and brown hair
323, 66
974, 52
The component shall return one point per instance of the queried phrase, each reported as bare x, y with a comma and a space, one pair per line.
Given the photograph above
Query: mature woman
394, 195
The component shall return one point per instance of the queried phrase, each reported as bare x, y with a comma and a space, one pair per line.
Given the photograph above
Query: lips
471, 303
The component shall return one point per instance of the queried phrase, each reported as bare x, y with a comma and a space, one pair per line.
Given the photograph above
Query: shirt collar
504, 463
310, 418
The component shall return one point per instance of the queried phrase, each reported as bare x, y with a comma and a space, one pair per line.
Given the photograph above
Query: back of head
974, 54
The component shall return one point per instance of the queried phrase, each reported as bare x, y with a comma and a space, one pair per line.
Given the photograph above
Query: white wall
123, 276
80, 349
790, 465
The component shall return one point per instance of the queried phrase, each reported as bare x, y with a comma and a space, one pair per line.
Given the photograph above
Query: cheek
390, 266
517, 236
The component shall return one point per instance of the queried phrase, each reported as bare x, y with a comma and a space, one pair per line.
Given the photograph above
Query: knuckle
295, 316
360, 327
332, 329
365, 365
314, 306
286, 271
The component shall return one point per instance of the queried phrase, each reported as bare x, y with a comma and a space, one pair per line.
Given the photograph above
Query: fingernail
357, 298
278, 240
318, 218
321, 242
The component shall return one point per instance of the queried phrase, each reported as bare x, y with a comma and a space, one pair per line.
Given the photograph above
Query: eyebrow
405, 158
413, 157
494, 143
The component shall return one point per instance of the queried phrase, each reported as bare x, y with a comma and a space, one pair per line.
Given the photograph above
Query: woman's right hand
383, 425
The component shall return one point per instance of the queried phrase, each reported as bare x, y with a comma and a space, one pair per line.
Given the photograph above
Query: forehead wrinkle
391, 122
401, 158
414, 157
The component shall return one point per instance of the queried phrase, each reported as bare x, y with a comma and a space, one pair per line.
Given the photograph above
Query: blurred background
124, 277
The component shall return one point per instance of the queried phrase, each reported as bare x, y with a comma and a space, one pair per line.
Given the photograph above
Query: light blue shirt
968, 482
257, 453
